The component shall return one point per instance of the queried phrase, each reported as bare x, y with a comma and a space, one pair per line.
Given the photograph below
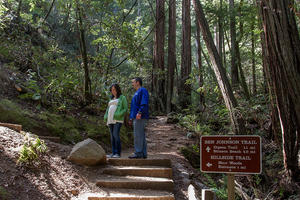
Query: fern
31, 153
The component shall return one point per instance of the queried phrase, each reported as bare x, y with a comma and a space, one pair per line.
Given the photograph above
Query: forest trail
150, 178
57, 178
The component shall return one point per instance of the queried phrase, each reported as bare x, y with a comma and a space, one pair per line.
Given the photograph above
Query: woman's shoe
110, 156
116, 156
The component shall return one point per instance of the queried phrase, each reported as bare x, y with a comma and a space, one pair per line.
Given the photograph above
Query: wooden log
15, 127
51, 138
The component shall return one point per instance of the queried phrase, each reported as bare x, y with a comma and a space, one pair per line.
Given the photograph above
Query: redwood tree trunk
230, 101
283, 52
253, 59
19, 10
158, 57
221, 32
234, 67
87, 80
200, 66
171, 53
186, 56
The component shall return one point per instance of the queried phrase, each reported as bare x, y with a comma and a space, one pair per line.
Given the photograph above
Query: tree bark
242, 79
87, 80
283, 52
186, 56
229, 99
171, 53
49, 11
254, 91
221, 32
200, 66
158, 57
19, 10
234, 67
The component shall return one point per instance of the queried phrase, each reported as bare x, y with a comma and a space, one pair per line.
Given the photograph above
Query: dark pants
115, 138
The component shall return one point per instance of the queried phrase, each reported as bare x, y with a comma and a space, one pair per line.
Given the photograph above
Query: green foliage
34, 91
15, 114
221, 191
67, 127
32, 151
191, 153
222, 113
3, 194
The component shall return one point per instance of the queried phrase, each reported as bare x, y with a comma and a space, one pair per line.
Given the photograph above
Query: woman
115, 113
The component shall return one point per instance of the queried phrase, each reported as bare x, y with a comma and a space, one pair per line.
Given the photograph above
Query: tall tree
171, 52
253, 59
186, 56
220, 35
225, 87
234, 67
242, 78
158, 57
199, 64
19, 10
83, 50
283, 53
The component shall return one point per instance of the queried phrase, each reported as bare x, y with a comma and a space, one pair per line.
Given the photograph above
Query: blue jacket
140, 103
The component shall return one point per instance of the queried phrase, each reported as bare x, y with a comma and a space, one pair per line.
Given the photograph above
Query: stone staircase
140, 179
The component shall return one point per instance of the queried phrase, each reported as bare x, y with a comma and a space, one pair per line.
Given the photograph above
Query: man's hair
138, 79
118, 89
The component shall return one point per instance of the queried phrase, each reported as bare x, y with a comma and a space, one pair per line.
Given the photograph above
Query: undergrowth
3, 194
32, 152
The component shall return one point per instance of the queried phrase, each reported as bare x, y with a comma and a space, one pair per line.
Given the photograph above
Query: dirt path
59, 179
164, 141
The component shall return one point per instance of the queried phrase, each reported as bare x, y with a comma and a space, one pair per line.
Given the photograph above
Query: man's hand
139, 116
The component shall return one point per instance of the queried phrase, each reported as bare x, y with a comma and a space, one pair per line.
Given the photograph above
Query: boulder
87, 152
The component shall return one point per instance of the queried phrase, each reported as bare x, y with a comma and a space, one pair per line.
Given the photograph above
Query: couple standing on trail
115, 114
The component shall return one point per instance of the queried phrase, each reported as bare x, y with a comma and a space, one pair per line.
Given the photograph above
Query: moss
3, 194
72, 135
192, 156
11, 112
68, 128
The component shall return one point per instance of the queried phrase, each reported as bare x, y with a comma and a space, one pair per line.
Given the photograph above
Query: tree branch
49, 11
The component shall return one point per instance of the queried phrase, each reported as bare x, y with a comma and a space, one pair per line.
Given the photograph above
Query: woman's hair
118, 89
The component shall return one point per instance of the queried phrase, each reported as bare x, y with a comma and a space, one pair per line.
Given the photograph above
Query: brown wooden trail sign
236, 154
231, 154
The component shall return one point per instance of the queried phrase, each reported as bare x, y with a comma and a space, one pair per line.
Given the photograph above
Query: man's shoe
134, 156
116, 156
145, 157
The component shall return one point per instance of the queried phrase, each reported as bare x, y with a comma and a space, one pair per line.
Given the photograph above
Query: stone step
139, 162
134, 182
134, 198
161, 172
126, 194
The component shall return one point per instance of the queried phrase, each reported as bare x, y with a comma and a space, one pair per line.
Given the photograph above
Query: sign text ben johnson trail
231, 154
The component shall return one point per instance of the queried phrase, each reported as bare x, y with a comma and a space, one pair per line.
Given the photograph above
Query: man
139, 114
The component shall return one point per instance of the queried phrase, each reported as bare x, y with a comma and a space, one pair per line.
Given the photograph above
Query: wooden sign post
239, 154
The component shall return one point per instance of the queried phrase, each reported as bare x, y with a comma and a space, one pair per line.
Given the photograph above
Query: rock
193, 194
74, 192
87, 152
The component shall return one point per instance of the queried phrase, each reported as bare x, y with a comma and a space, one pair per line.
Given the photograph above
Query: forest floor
57, 178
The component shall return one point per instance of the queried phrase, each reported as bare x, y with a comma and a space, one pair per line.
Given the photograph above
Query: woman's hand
130, 122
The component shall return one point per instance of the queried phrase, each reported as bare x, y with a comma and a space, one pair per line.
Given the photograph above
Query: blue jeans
140, 143
115, 138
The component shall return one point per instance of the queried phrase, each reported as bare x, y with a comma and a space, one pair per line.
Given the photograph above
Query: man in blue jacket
139, 114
